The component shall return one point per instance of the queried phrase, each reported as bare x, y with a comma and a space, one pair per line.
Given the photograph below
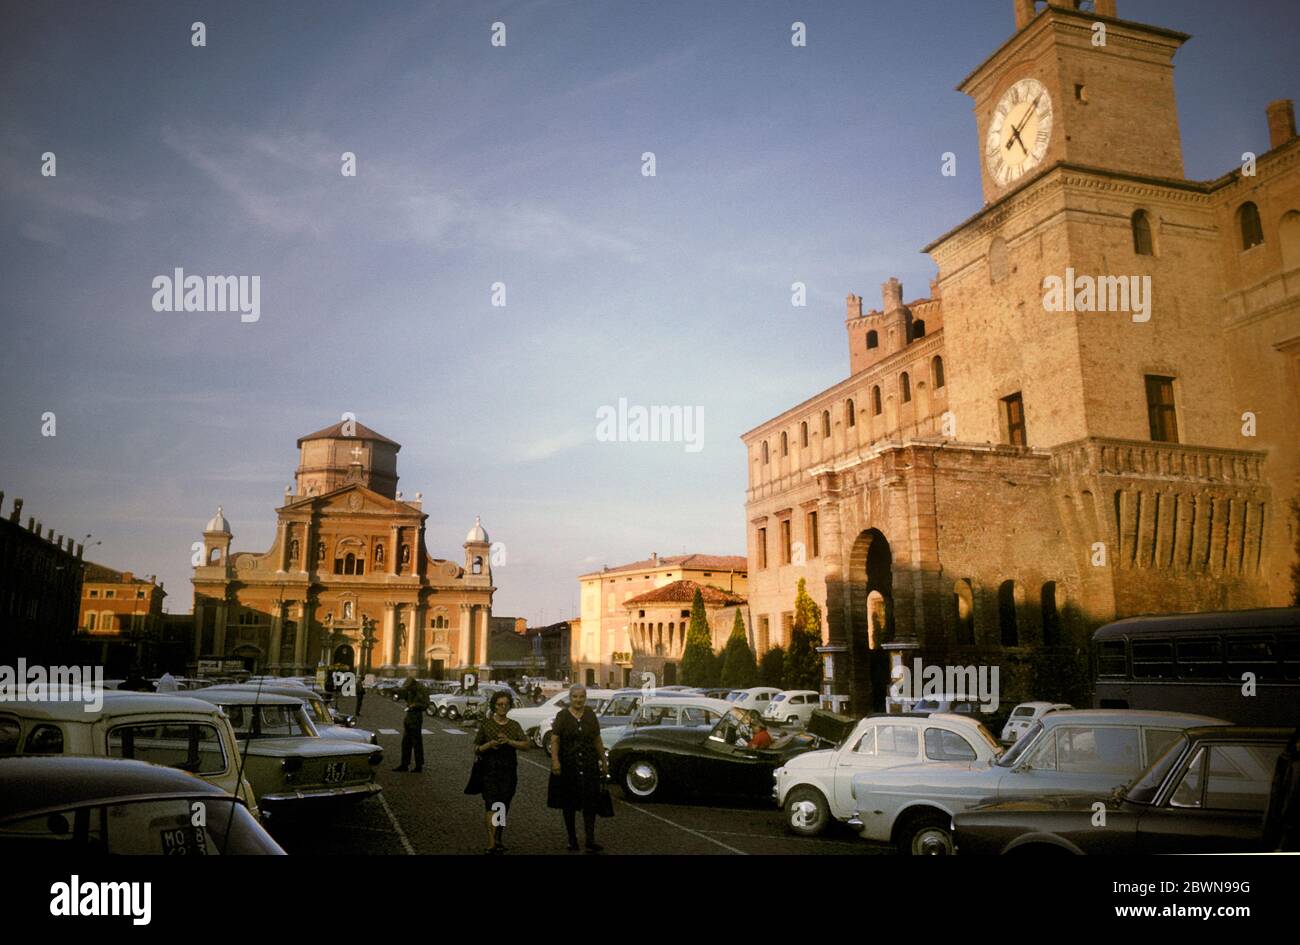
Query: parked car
792, 707
532, 718
816, 788
1207, 794
669, 711
1023, 716
458, 704
76, 807
317, 711
1090, 751
287, 762
176, 731
956, 706
598, 699
654, 762
755, 698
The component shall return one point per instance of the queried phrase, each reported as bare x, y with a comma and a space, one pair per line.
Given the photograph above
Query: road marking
425, 731
401, 834
453, 731
388, 731
642, 810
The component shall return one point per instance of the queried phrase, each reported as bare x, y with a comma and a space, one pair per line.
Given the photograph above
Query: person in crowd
495, 744
167, 683
762, 737
135, 681
578, 767
416, 697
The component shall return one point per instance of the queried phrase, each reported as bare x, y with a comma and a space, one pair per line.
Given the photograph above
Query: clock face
1019, 132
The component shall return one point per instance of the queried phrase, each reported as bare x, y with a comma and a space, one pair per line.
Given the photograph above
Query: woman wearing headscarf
578, 767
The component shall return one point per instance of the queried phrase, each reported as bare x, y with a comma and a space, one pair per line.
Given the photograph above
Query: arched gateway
871, 618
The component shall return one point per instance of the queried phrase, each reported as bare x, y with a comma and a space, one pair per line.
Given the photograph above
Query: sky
478, 164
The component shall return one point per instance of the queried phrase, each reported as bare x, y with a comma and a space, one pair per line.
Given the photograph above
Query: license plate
184, 841
335, 771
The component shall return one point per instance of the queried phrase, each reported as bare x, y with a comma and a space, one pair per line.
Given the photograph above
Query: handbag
475, 785
605, 807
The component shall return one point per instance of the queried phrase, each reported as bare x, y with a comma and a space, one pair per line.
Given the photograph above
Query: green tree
699, 664
771, 668
739, 668
803, 664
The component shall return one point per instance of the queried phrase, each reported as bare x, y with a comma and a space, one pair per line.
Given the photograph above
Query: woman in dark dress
578, 767
498, 738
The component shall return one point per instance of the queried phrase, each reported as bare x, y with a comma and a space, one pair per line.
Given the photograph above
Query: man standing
416, 697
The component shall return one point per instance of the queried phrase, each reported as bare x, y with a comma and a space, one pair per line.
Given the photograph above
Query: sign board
469, 681
209, 667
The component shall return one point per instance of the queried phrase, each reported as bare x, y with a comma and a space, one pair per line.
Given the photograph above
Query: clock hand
1015, 136
1032, 106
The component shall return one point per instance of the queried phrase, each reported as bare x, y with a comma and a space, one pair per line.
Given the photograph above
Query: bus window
1201, 659
1290, 647
1111, 659
1153, 660
1253, 655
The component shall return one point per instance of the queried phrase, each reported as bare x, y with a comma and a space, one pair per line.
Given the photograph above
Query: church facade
1091, 415
349, 555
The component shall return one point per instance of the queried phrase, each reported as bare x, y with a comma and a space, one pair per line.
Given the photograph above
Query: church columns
415, 635
395, 554
482, 634
219, 637
284, 546
300, 640
307, 551
277, 628
390, 634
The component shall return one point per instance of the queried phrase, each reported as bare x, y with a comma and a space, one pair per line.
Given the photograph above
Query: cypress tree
699, 665
803, 664
771, 668
739, 668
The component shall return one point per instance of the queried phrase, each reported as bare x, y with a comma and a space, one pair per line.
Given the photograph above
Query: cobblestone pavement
429, 813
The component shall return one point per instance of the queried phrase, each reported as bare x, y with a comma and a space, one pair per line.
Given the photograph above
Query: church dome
477, 533
218, 523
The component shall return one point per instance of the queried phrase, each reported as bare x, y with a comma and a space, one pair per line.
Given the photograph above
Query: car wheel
792, 720
452, 714
806, 812
546, 743
641, 779
442, 711
927, 835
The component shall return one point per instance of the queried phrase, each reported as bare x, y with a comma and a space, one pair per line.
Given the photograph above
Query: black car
651, 762
1208, 793
73, 806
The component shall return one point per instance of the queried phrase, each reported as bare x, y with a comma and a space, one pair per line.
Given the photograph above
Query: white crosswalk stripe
425, 731
453, 731
388, 731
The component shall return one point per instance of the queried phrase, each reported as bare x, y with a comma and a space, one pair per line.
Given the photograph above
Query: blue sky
478, 165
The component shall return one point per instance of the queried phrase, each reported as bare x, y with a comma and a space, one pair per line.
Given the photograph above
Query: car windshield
319, 714
270, 721
1144, 788
1012, 755
779, 697
1023, 712
988, 737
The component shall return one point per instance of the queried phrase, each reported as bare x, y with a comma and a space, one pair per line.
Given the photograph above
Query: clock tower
1076, 84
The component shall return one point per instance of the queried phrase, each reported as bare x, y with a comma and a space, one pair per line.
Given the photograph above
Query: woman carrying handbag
578, 769
495, 773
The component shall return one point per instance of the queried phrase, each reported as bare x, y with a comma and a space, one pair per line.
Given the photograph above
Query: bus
1203, 663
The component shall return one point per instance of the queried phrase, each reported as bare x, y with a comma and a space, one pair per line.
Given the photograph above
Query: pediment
353, 499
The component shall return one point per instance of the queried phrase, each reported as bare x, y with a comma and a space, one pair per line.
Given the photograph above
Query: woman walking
498, 738
578, 767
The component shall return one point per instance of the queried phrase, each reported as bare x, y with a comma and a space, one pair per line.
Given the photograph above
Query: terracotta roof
99, 574
359, 432
694, 562
683, 592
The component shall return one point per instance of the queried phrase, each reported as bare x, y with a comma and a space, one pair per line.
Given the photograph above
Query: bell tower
1076, 84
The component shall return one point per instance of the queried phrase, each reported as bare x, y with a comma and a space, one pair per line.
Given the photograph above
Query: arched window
905, 387
1142, 244
1007, 614
875, 401
803, 434
1252, 233
785, 444
90, 620
918, 329
964, 604
850, 414
936, 371
478, 564
765, 455
873, 340
826, 423
349, 563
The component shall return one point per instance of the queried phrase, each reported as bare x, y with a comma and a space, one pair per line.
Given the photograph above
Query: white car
670, 710
794, 706
817, 787
317, 711
755, 699
1085, 752
1026, 714
532, 718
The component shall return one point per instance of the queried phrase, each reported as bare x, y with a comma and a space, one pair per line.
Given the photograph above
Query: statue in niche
347, 610
320, 551
379, 553
293, 550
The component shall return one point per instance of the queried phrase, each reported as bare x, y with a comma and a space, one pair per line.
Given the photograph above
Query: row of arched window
915, 333
1009, 598
937, 380
1250, 229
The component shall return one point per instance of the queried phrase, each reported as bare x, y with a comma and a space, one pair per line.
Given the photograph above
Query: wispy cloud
549, 446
